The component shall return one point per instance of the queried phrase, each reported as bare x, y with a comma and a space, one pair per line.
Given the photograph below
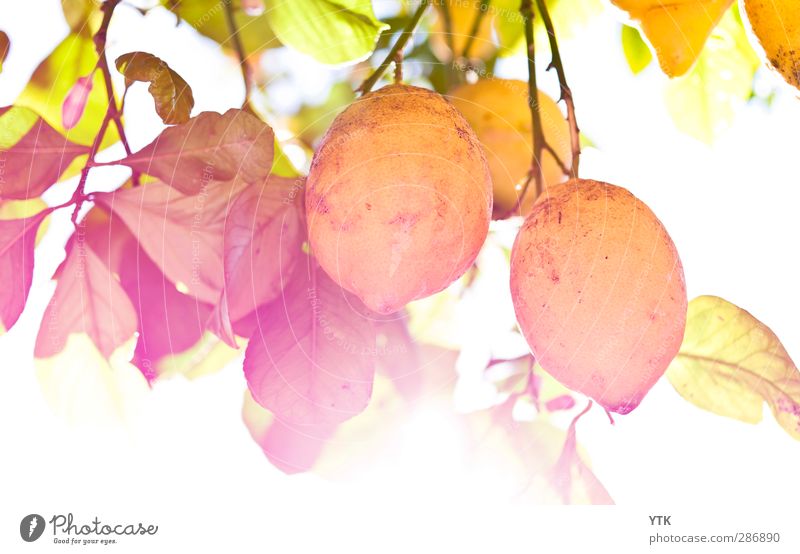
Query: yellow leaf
677, 29
17, 209
730, 363
703, 102
83, 387
206, 357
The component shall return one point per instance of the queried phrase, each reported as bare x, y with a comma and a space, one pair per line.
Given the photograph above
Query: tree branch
535, 172
370, 81
566, 92
112, 113
476, 24
448, 27
239, 47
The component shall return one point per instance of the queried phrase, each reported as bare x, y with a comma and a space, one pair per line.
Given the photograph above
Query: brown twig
102, 64
398, 67
476, 24
561, 165
535, 172
239, 47
566, 92
448, 27
370, 81
112, 113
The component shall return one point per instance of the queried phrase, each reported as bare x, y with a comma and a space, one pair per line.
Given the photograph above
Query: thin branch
535, 172
239, 47
448, 26
476, 24
398, 67
80, 195
112, 113
561, 165
566, 92
370, 81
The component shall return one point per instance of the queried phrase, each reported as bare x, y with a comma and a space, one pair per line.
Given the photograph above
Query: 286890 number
758, 537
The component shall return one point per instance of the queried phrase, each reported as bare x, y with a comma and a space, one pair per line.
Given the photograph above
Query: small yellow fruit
599, 292
398, 198
462, 18
497, 109
776, 25
677, 29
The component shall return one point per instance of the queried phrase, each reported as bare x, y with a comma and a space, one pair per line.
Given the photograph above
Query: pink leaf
89, 300
310, 360
571, 475
169, 322
563, 402
75, 102
209, 148
34, 154
17, 241
290, 448
182, 234
262, 241
397, 354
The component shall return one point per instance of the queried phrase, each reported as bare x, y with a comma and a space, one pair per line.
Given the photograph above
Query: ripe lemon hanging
497, 109
598, 291
776, 25
398, 198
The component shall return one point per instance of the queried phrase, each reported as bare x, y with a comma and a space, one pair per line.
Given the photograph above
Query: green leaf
730, 364
209, 19
637, 54
4, 46
83, 16
332, 31
281, 164
569, 17
172, 95
509, 26
311, 121
703, 102
47, 89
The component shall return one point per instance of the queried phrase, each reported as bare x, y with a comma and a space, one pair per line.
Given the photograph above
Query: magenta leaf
290, 448
75, 102
17, 242
170, 322
310, 360
34, 154
262, 242
572, 476
88, 300
182, 234
562, 402
206, 149
397, 354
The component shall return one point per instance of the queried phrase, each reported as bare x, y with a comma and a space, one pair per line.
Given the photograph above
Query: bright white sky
183, 459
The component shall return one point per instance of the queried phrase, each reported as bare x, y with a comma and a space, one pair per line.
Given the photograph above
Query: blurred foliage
50, 83
730, 363
703, 102
637, 53
209, 19
331, 32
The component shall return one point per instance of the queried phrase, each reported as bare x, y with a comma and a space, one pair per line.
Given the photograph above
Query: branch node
405, 35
